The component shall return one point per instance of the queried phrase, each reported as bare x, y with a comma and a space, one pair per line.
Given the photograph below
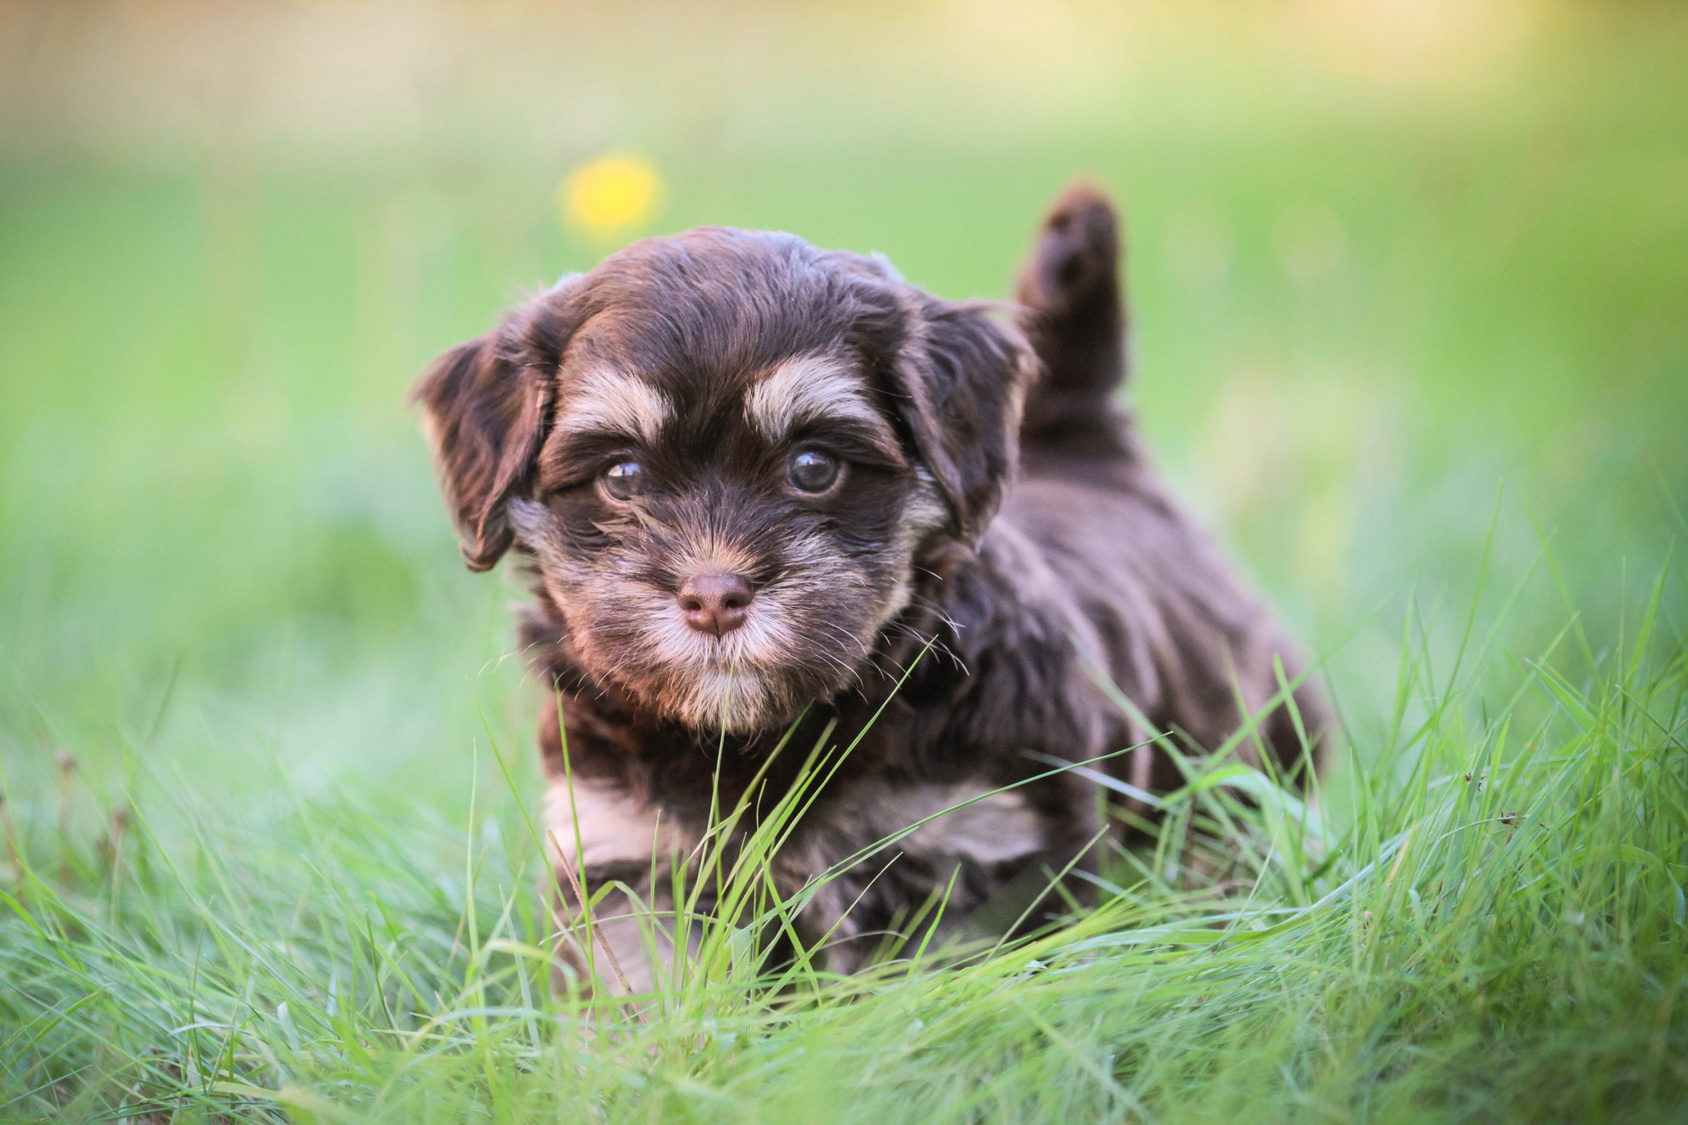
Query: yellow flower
610, 194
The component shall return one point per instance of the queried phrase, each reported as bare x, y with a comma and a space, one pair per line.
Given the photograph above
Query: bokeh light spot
611, 194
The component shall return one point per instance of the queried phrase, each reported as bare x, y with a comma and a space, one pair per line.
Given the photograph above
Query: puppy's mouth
755, 674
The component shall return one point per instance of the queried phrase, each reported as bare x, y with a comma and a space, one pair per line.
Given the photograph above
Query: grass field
1411, 323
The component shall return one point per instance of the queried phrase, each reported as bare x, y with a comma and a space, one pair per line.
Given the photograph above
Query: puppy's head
725, 453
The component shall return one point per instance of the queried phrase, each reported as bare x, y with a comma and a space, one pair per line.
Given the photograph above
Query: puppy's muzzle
715, 602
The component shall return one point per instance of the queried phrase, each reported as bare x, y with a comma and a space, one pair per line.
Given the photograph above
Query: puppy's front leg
598, 835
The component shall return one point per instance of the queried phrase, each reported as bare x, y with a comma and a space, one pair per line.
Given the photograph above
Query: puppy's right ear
483, 415
486, 406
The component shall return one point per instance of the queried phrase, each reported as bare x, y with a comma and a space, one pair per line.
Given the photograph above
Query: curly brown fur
644, 437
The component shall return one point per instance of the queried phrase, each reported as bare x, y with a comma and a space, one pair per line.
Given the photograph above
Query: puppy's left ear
963, 374
485, 407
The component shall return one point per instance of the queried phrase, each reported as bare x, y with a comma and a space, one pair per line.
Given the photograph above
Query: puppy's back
1173, 625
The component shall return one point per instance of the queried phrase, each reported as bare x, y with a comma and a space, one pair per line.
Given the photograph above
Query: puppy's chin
720, 695
733, 701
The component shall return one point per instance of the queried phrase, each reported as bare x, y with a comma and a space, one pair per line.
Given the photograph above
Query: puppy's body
647, 437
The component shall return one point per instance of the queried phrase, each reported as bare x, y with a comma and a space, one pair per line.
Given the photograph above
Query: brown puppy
753, 482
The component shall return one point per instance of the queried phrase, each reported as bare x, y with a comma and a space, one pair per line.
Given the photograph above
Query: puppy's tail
1074, 315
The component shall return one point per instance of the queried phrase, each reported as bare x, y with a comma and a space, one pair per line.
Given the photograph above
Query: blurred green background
1384, 256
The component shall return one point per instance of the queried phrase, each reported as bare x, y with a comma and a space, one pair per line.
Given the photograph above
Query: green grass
289, 875
1499, 932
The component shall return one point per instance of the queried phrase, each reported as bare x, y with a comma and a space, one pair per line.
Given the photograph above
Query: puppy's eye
813, 471
624, 480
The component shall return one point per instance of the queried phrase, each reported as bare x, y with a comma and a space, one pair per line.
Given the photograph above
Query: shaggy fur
992, 507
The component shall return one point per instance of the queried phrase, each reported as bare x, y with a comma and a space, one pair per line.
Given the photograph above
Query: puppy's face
724, 454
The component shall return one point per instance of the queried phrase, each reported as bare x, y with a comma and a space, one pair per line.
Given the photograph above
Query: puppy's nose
715, 603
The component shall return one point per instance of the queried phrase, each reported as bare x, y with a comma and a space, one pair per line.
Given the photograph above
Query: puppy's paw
1076, 255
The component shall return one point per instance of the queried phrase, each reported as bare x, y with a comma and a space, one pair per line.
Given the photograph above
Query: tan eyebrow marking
604, 399
808, 389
